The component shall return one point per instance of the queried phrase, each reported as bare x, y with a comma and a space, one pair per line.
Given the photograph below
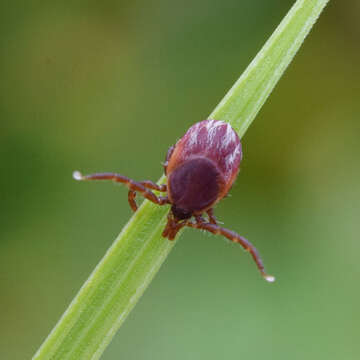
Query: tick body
200, 169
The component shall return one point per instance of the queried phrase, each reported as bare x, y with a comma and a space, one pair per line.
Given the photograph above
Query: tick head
180, 214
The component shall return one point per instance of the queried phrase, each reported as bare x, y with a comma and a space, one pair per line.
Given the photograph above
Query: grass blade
114, 287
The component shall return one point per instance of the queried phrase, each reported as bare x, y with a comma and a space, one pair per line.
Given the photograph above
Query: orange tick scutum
200, 169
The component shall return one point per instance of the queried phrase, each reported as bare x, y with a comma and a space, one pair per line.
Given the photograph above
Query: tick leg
148, 184
233, 236
132, 185
175, 229
131, 199
212, 217
172, 227
151, 185
168, 226
199, 219
168, 156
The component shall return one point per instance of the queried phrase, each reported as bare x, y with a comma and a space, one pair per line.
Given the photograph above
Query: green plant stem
116, 284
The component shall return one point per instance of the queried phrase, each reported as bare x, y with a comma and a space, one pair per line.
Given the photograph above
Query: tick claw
269, 278
77, 175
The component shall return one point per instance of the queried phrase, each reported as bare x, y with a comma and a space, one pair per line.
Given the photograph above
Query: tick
200, 169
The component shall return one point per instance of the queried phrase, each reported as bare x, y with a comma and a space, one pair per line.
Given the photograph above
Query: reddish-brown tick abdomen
203, 165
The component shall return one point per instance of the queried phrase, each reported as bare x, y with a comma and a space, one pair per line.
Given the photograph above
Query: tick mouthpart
77, 175
180, 214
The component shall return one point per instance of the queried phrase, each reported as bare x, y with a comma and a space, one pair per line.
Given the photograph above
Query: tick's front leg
132, 185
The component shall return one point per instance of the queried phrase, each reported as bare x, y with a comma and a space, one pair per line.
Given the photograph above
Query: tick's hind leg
233, 236
133, 186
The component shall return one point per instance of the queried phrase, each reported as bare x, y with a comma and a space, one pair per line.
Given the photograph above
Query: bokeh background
110, 86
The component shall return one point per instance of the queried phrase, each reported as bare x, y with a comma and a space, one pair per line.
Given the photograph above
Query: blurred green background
109, 86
